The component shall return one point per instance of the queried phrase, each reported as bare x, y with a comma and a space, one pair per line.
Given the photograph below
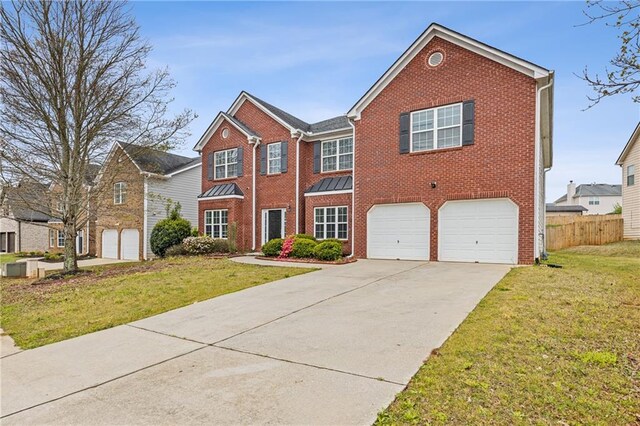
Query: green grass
35, 314
8, 258
545, 346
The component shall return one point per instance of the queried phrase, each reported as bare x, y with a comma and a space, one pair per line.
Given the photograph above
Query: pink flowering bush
287, 247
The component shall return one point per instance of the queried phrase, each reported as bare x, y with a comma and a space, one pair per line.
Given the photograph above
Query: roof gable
630, 143
436, 30
215, 124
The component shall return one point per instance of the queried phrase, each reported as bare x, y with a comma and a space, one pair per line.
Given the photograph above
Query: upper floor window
337, 155
226, 163
60, 239
215, 223
274, 157
594, 201
436, 128
631, 175
119, 193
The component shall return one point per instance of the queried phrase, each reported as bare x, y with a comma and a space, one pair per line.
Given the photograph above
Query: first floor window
631, 175
436, 128
226, 163
52, 238
215, 223
60, 239
119, 193
337, 155
275, 155
594, 201
330, 222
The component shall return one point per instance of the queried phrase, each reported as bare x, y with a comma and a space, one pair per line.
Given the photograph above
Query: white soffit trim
245, 96
223, 197
214, 126
315, 194
461, 40
634, 137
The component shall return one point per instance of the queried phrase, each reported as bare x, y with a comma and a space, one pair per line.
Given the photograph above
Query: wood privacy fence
569, 231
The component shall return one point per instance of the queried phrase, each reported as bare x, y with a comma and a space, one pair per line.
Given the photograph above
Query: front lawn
8, 258
545, 346
35, 314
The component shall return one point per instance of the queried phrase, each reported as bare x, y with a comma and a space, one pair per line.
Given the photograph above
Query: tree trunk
70, 258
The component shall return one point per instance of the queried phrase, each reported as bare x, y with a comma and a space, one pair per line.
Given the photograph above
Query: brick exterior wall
28, 236
499, 164
129, 215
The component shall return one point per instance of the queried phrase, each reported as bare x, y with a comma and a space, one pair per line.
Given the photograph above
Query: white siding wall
606, 204
183, 188
631, 195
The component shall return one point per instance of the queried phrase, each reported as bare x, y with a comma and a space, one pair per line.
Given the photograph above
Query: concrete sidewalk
329, 347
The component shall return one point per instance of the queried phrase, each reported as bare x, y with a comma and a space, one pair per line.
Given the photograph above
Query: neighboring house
443, 159
86, 231
555, 210
629, 160
136, 184
597, 198
21, 227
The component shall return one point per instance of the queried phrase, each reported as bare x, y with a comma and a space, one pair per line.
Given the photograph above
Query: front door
273, 221
11, 242
80, 242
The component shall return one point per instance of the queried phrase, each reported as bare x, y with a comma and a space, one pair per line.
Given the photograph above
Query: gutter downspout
253, 196
353, 192
298, 181
538, 147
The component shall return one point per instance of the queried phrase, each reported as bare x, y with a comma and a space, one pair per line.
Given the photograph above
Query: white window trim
119, 197
269, 159
226, 164
594, 201
631, 166
217, 224
435, 127
60, 234
316, 194
222, 197
324, 224
52, 238
265, 224
337, 154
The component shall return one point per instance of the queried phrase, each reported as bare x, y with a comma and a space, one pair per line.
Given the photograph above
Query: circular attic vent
435, 59
225, 133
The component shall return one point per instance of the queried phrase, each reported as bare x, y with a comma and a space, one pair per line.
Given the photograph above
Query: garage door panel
478, 231
398, 231
110, 244
130, 244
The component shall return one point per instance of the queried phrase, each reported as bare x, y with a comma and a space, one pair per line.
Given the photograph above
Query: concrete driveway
329, 347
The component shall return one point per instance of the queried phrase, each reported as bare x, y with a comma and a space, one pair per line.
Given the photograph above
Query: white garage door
110, 244
130, 244
398, 231
478, 231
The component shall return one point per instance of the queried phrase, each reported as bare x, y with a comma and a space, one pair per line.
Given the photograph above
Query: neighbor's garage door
110, 244
130, 249
398, 231
478, 231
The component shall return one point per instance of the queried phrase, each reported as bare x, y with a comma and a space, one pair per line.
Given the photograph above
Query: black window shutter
468, 122
263, 159
240, 166
284, 156
317, 158
210, 166
404, 133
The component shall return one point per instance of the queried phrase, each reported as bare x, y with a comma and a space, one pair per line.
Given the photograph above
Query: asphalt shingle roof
335, 123
339, 183
240, 124
222, 190
155, 161
21, 199
552, 208
594, 190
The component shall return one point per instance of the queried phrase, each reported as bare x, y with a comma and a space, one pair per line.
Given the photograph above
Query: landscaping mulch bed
343, 261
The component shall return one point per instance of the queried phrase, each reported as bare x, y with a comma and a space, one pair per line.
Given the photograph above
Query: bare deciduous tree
73, 80
623, 74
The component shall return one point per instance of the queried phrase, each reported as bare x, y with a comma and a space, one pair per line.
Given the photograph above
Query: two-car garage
484, 230
129, 244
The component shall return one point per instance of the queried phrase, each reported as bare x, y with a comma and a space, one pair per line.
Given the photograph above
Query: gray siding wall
29, 236
183, 188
